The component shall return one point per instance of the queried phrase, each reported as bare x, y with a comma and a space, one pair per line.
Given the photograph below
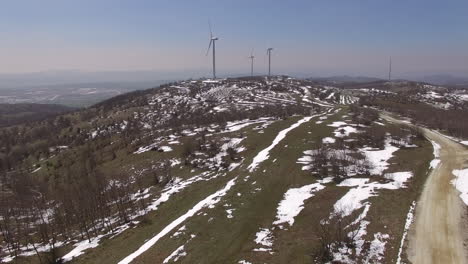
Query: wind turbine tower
212, 42
251, 57
269, 60
390, 70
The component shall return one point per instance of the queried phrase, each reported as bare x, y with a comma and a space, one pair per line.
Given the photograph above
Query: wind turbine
212, 41
390, 70
251, 57
269, 60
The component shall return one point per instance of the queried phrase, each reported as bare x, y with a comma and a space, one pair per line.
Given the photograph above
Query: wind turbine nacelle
214, 38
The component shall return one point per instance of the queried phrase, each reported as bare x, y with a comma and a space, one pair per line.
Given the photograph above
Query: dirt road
437, 235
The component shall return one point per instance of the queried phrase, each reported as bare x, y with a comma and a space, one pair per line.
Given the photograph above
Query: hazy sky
320, 37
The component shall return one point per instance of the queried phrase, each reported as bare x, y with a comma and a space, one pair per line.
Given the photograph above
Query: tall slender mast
390, 70
251, 64
214, 58
269, 60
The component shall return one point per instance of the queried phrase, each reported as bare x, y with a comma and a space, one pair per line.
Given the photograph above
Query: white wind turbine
269, 60
212, 41
251, 57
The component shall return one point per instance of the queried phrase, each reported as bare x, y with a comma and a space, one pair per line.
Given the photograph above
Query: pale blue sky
326, 37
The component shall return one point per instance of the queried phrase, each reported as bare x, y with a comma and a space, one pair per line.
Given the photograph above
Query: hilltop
239, 170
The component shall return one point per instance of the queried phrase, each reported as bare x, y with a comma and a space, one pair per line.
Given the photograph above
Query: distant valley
74, 95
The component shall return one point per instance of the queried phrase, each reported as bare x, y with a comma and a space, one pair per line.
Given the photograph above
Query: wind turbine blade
209, 46
211, 32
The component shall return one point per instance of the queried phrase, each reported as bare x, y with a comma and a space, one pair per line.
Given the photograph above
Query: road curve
437, 235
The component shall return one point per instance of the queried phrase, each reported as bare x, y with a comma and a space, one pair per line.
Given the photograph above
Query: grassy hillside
245, 170
15, 114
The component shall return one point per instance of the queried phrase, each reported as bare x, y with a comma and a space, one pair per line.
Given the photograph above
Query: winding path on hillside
438, 234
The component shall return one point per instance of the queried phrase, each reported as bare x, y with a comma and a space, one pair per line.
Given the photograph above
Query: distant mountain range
438, 79
346, 78
444, 79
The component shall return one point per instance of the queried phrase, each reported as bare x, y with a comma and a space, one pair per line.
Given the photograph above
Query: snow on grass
30, 250
175, 162
461, 183
321, 103
355, 197
229, 213
344, 253
264, 238
233, 166
232, 143
265, 153
180, 231
328, 140
220, 109
293, 203
178, 253
399, 177
379, 158
80, 247
352, 169
377, 248
337, 124
351, 182
210, 81
176, 187
464, 142
379, 123
238, 125
344, 131
211, 200
436, 161
165, 148
409, 220
244, 262
173, 188
361, 231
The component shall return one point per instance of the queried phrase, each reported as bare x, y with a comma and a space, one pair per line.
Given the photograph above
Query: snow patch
355, 197
207, 202
328, 140
377, 248
379, 158
409, 220
399, 177
165, 148
178, 253
293, 203
461, 183
80, 247
265, 153
337, 124
344, 131
264, 237
436, 161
